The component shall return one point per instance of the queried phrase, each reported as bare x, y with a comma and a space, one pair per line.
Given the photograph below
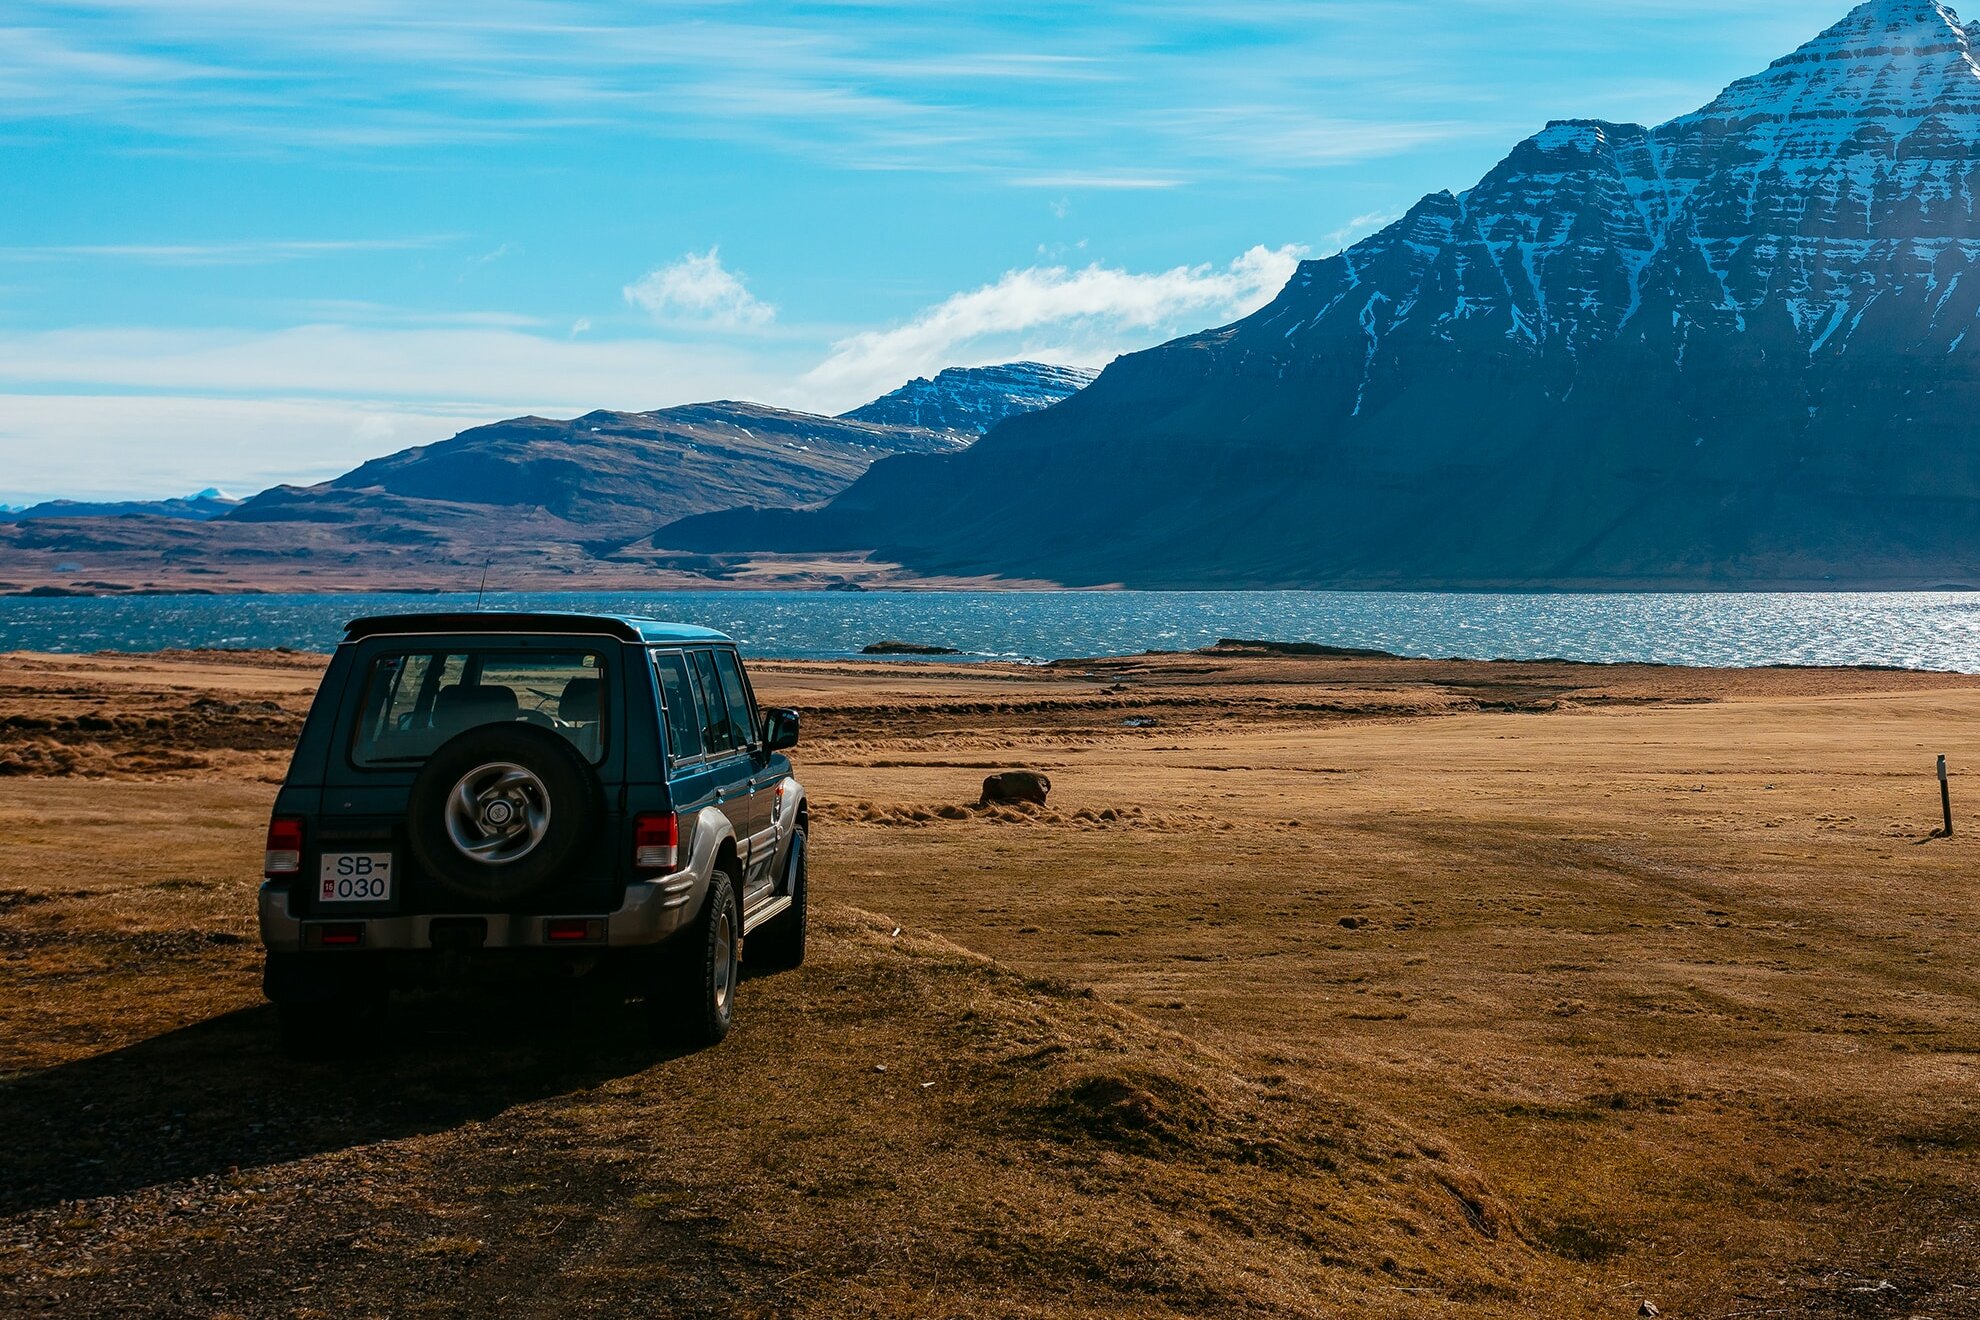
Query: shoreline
936, 661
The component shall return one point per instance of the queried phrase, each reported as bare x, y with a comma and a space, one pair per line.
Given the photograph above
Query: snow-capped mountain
971, 400
1733, 349
1800, 199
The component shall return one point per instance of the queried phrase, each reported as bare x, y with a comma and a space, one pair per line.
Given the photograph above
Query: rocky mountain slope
971, 400
1731, 350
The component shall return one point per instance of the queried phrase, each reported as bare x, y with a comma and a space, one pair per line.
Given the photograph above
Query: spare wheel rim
498, 813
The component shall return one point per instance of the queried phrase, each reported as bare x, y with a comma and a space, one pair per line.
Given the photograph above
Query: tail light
285, 842
657, 842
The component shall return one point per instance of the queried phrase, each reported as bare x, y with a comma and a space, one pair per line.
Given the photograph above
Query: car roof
625, 627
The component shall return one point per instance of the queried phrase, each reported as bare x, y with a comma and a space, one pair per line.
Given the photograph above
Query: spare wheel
501, 811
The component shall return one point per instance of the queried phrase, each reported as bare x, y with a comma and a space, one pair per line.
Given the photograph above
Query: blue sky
248, 242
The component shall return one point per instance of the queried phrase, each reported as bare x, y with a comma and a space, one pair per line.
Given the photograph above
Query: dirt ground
1323, 986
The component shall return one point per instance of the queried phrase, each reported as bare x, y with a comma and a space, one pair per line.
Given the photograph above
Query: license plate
355, 878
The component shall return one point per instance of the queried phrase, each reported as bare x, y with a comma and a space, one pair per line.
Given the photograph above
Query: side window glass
715, 731
683, 716
740, 719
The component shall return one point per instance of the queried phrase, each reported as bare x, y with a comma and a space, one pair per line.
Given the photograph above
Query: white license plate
355, 878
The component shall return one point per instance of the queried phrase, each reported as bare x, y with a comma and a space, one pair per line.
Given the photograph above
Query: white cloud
699, 288
143, 410
1091, 315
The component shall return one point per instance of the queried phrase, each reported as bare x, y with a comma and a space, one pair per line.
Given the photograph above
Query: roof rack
625, 627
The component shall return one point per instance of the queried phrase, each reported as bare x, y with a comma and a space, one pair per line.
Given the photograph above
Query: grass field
1323, 986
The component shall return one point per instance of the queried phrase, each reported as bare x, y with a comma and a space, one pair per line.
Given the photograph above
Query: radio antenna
483, 588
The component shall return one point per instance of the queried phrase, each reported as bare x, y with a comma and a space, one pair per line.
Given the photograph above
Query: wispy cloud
699, 288
1096, 308
211, 405
1102, 182
948, 88
1359, 228
442, 365
241, 253
75, 445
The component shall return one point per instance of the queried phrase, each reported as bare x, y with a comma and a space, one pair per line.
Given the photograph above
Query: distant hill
971, 400
610, 476
614, 475
554, 500
1733, 350
207, 504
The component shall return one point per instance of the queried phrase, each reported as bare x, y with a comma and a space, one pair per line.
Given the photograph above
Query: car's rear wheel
695, 1001
778, 944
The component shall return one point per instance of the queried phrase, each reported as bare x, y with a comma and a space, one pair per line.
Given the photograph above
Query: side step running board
774, 908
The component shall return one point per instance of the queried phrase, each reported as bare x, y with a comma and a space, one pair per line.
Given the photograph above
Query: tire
545, 792
778, 944
695, 1002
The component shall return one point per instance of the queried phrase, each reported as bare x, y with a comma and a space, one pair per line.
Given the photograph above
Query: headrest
579, 704
465, 706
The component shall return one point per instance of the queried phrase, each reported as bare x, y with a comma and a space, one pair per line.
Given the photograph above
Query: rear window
416, 700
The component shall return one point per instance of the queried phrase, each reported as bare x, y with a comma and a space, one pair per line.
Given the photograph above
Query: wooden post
1945, 795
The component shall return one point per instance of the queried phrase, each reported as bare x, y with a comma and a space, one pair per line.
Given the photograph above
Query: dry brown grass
1342, 987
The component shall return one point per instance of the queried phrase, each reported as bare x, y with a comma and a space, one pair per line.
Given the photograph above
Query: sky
246, 242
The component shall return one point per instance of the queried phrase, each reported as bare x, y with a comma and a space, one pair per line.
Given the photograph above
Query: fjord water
1911, 630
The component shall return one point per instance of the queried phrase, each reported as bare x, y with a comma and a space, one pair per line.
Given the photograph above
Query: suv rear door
387, 723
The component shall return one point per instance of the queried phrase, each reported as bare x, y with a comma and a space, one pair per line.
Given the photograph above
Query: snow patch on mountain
971, 400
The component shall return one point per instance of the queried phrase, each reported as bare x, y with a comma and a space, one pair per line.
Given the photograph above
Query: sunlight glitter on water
1916, 630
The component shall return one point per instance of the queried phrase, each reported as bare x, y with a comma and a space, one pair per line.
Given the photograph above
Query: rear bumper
653, 910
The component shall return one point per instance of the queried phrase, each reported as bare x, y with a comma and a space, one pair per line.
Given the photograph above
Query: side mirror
780, 729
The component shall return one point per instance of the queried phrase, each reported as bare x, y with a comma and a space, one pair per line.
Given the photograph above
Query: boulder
1016, 786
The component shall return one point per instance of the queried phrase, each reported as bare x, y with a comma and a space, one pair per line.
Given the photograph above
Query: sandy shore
1322, 986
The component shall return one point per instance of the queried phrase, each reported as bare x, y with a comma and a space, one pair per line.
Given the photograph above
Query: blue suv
559, 795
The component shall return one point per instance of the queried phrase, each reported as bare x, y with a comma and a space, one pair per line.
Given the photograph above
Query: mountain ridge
1729, 350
